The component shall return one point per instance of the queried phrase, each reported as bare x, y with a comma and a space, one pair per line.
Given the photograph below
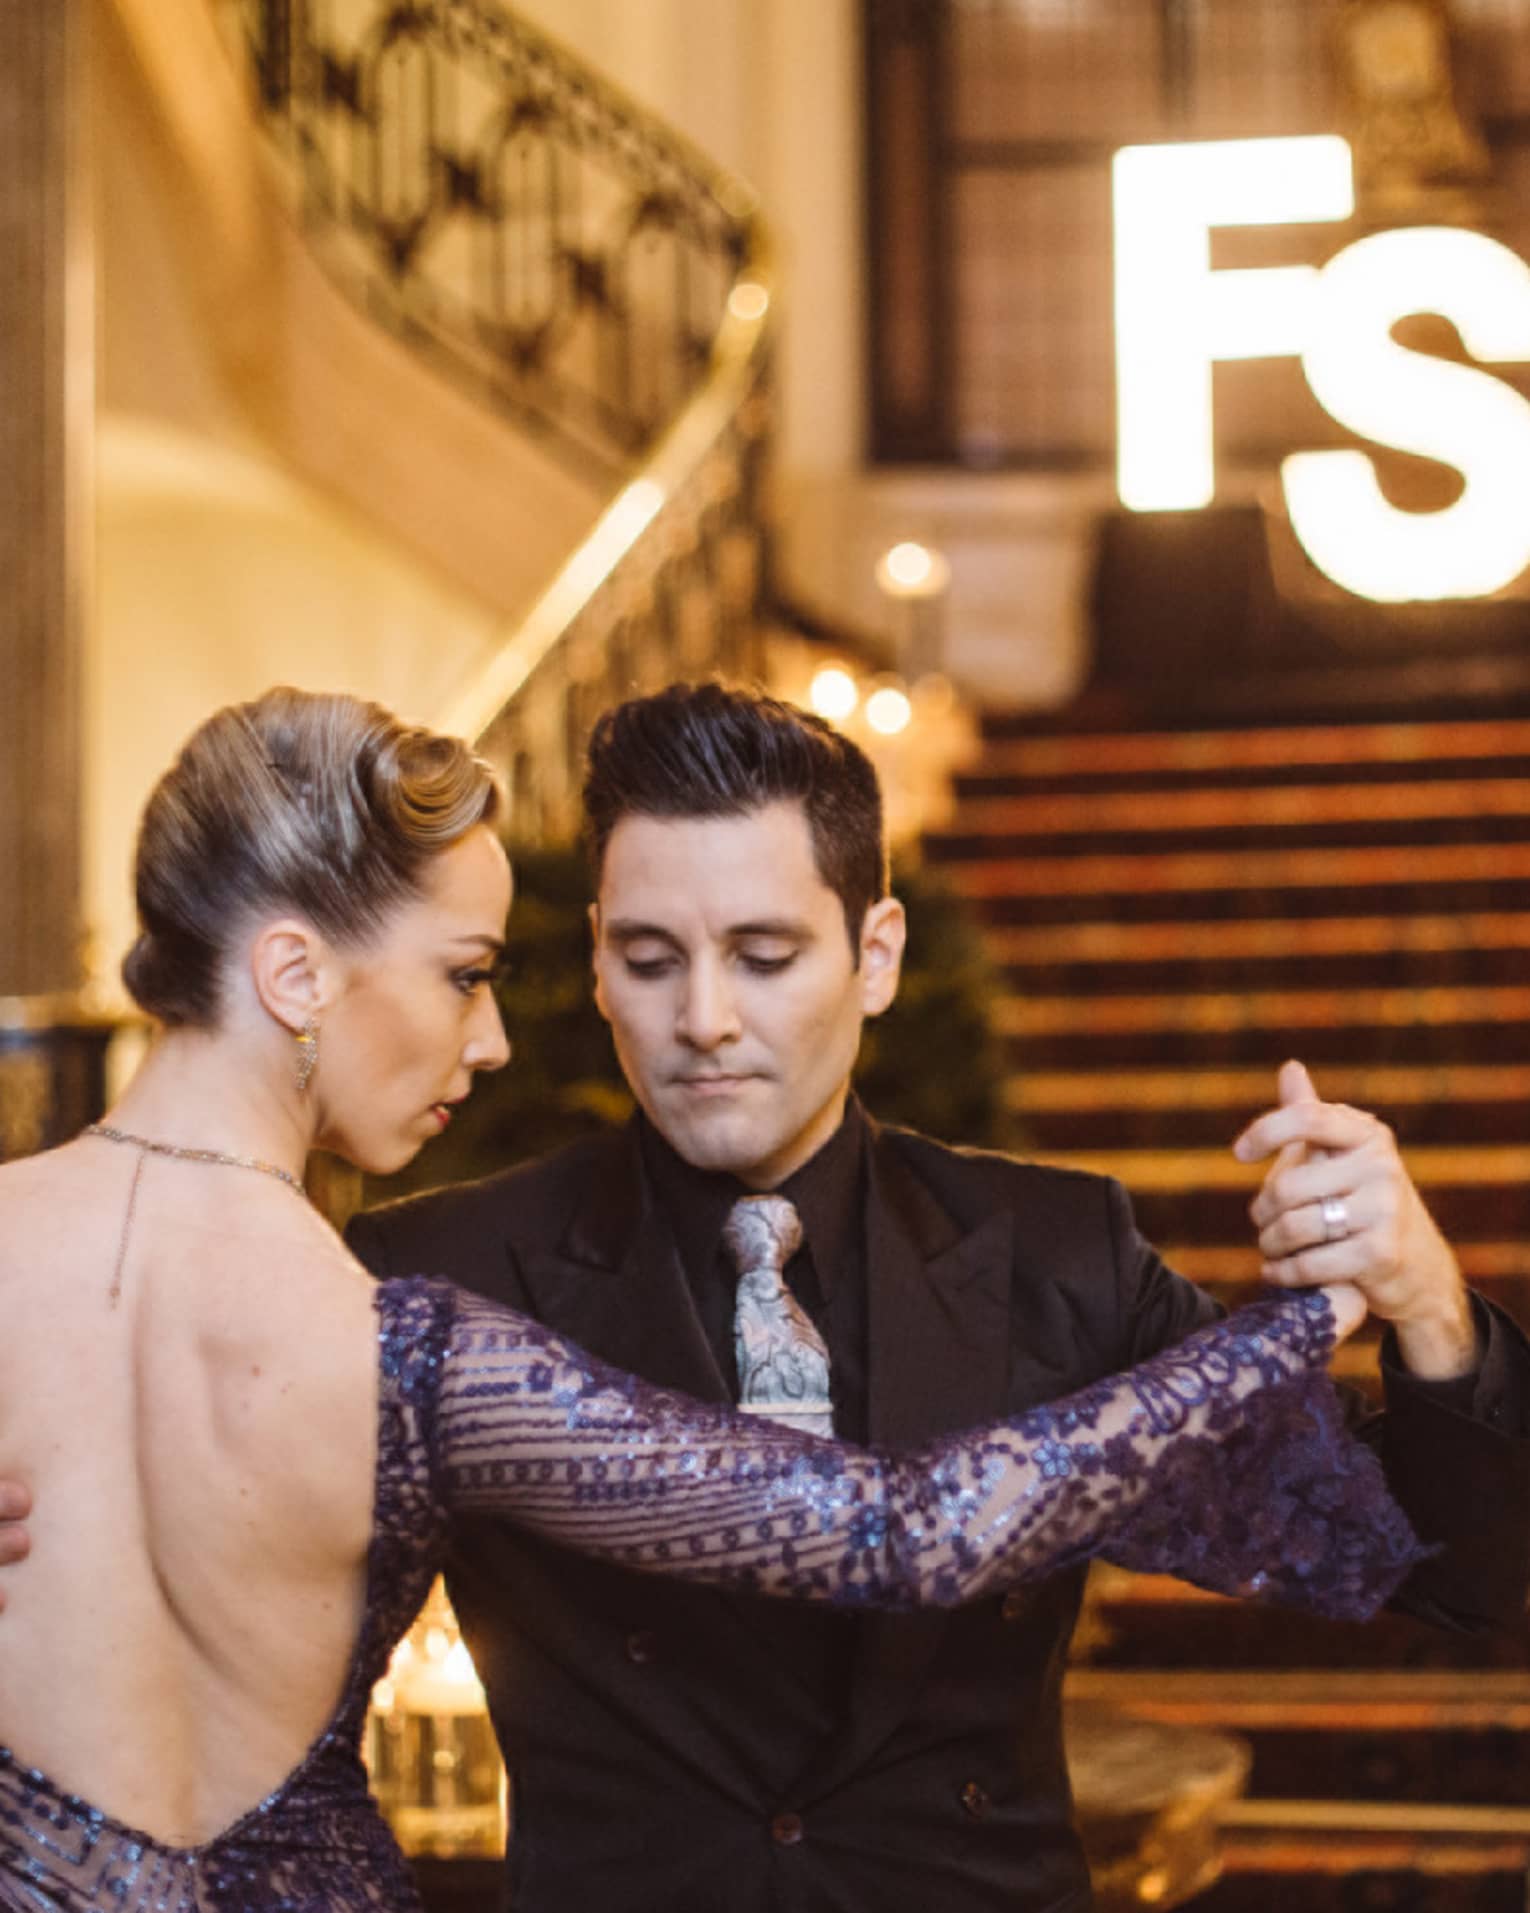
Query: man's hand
15, 1542
1337, 1205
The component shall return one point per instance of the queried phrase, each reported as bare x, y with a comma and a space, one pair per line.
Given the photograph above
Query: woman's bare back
201, 1457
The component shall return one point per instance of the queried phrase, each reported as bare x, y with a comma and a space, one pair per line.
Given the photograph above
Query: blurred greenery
932, 1062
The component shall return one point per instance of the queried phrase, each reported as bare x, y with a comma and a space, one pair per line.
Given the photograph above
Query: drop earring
307, 1051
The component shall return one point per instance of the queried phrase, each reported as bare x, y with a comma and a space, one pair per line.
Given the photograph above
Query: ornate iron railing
512, 215
502, 208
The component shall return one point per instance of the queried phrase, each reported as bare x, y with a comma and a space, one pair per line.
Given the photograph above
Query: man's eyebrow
793, 927
632, 930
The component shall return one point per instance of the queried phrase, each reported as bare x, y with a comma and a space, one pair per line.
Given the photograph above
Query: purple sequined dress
1224, 1459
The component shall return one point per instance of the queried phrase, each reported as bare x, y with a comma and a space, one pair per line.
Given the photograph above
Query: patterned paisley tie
783, 1365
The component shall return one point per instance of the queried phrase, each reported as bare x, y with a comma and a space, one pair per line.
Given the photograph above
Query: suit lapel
938, 1293
615, 1285
938, 1290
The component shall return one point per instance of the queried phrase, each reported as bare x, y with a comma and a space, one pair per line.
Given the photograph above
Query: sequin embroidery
1224, 1460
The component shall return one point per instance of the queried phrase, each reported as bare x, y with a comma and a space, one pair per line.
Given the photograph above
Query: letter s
1417, 403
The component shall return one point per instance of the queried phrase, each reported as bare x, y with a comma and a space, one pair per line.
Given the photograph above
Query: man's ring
1335, 1219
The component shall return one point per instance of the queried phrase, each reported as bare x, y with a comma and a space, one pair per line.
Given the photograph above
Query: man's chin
720, 1142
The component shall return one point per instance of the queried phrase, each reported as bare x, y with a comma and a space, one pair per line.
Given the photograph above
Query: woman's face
413, 1015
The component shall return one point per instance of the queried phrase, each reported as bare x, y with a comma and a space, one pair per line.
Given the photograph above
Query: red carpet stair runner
1174, 913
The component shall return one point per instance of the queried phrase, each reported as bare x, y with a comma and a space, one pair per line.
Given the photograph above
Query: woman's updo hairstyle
318, 804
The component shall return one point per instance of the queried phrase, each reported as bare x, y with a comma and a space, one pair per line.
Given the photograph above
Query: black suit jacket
665, 1755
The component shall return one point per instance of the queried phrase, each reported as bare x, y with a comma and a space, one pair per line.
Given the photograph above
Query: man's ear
292, 970
883, 935
600, 988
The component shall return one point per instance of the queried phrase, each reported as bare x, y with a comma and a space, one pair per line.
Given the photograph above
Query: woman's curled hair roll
317, 803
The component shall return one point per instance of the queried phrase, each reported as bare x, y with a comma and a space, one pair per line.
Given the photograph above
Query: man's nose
707, 1016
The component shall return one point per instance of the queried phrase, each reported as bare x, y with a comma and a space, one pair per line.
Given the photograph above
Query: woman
245, 1457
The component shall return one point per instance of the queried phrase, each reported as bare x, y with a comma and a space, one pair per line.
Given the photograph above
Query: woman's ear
290, 968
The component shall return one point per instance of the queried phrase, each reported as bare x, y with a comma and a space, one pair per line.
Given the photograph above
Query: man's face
723, 966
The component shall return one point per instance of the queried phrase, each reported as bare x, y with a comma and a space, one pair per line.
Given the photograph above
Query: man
674, 1750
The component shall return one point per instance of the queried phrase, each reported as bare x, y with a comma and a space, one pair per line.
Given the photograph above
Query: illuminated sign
1175, 318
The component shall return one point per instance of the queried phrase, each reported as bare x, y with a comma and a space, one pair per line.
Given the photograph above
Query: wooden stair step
1112, 942
1182, 1211
1421, 1736
1136, 1622
1242, 1092
1062, 901
1345, 1883
1297, 871
1135, 822
1213, 811
984, 777
1193, 972
1261, 953
1342, 1856
1428, 1125
1150, 1169
1266, 1046
953, 844
1397, 1702
1023, 1016
1271, 747
1220, 1265
1237, 1282
1464, 1822
1104, 1108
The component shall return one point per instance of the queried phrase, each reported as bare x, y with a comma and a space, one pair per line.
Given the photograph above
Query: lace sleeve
1224, 1460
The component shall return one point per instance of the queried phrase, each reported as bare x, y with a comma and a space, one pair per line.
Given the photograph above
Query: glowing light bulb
833, 693
888, 710
912, 570
749, 300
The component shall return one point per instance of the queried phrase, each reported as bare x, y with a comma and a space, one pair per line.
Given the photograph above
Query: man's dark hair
705, 750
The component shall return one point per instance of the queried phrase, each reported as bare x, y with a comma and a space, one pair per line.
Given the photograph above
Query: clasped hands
1337, 1207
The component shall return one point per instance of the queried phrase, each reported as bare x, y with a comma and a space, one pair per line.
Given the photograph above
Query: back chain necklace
177, 1153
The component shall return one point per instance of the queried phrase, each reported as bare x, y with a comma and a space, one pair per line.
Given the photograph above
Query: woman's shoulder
30, 1178
50, 1207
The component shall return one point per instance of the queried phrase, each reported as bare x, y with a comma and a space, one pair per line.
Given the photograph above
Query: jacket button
642, 1647
787, 1829
975, 1800
1015, 1604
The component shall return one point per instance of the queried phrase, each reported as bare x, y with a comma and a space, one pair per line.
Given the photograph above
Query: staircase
1174, 913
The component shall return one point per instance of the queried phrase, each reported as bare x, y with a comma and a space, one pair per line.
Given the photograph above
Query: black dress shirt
827, 1275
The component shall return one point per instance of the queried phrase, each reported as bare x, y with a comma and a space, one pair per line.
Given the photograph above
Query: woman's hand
1349, 1309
